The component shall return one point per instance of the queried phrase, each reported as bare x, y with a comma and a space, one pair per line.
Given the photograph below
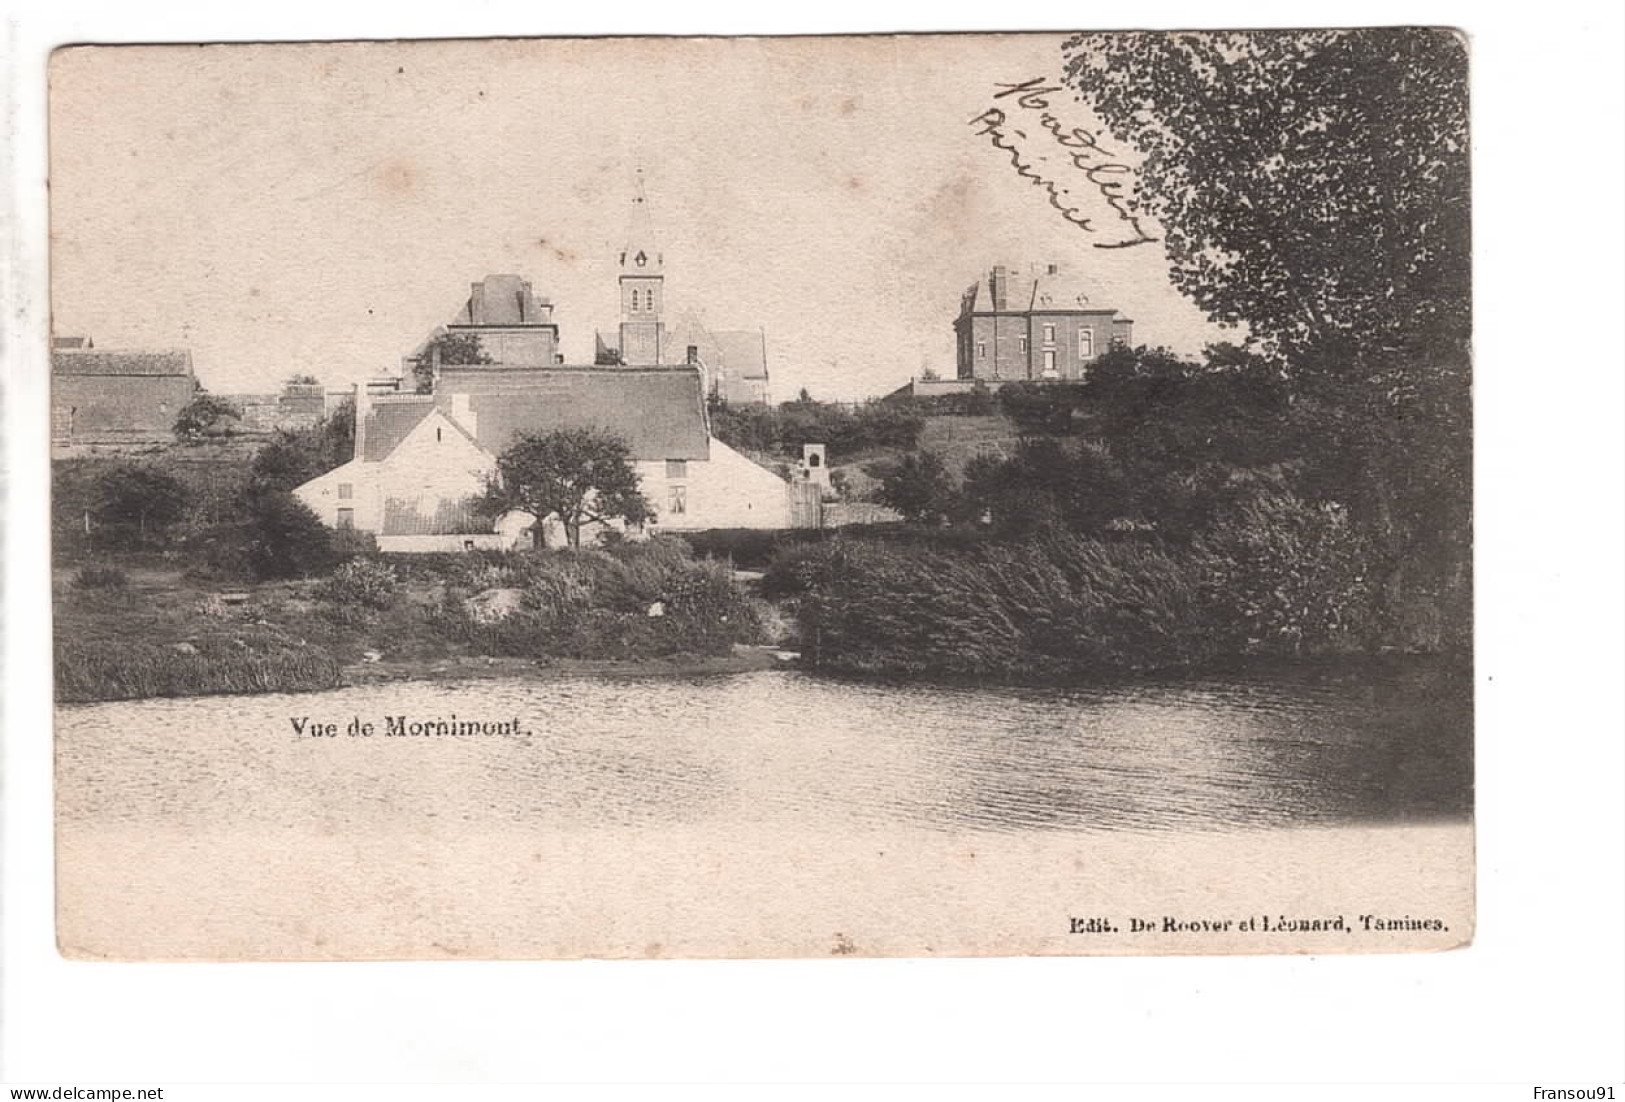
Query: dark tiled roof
658, 411
502, 300
1035, 293
121, 363
388, 422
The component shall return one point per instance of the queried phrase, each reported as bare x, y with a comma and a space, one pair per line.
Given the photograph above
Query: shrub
204, 416
359, 584
91, 576
135, 503
1058, 604
1296, 576
917, 485
286, 539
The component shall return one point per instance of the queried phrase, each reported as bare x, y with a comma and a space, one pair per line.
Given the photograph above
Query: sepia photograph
881, 495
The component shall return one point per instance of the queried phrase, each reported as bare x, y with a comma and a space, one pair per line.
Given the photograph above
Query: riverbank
135, 632
744, 658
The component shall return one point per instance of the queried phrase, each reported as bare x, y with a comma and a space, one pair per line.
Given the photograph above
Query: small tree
205, 415
286, 539
917, 485
579, 475
302, 379
138, 503
295, 456
457, 349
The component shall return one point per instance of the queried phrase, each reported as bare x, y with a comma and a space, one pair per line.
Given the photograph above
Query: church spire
643, 291
640, 256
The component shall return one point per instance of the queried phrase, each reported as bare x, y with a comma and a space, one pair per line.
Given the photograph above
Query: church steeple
639, 256
642, 288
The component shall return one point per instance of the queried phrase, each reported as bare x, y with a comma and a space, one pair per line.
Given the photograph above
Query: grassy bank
131, 631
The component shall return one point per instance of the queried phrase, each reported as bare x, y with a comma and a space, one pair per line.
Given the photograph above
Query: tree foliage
136, 503
1310, 184
295, 456
917, 485
286, 539
455, 349
581, 476
204, 416
1315, 187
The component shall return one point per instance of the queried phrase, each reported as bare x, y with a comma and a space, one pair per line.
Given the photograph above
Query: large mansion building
1042, 325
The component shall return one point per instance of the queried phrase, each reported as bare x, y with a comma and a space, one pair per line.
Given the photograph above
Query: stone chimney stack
363, 404
998, 286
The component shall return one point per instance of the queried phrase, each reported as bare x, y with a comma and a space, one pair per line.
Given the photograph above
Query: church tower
643, 332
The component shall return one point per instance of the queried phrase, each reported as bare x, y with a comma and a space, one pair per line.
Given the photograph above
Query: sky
286, 209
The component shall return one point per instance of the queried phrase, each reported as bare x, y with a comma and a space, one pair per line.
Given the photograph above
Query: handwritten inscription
1083, 180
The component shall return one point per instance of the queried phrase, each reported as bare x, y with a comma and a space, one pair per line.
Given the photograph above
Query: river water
783, 748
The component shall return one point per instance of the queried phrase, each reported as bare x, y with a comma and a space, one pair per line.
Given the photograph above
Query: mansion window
676, 468
1049, 334
1086, 343
981, 350
1022, 344
677, 500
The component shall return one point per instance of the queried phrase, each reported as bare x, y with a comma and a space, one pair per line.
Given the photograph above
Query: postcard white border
1537, 996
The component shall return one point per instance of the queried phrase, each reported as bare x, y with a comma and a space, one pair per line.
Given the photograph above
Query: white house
419, 459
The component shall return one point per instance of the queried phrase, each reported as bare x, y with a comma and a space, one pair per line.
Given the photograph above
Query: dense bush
204, 416
295, 456
359, 584
1281, 577
917, 484
637, 599
286, 539
134, 505
1295, 577
846, 430
1055, 605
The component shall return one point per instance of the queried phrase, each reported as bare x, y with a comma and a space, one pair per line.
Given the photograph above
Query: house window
346, 491
346, 518
677, 500
676, 468
1086, 343
1049, 334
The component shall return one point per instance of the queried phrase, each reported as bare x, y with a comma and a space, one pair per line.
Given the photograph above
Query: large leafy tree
579, 475
1312, 185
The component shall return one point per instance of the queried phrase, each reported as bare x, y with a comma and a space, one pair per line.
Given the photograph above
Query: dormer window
642, 259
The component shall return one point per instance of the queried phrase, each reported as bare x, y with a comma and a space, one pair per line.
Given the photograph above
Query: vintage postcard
729, 497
